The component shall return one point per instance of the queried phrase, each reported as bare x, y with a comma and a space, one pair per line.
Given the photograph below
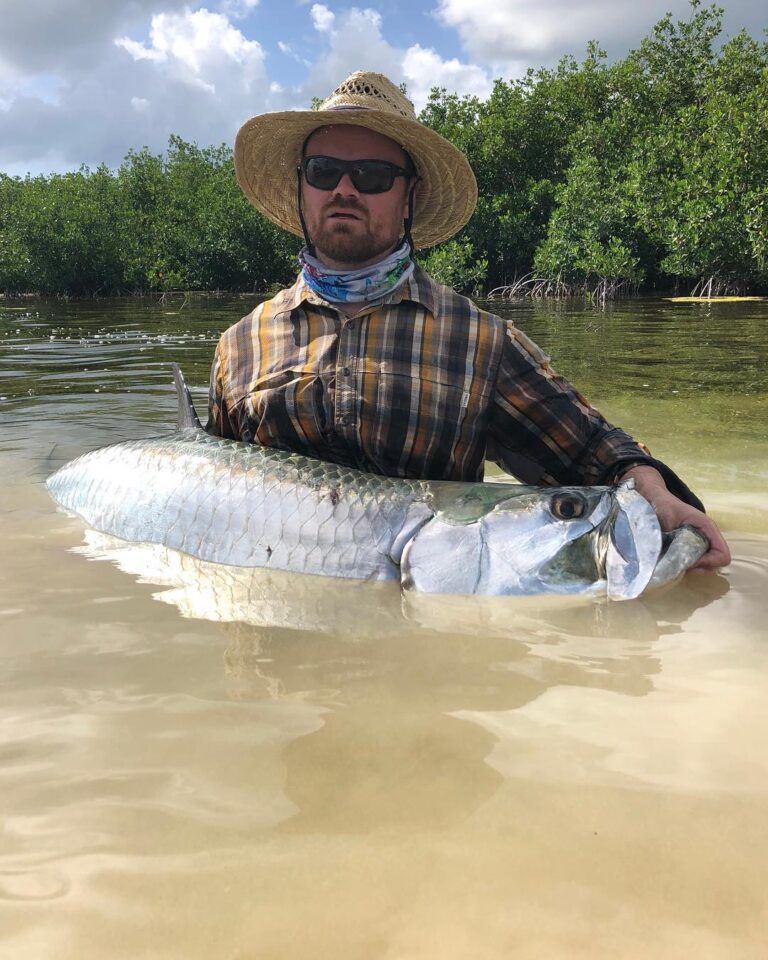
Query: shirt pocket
288, 403
431, 393
427, 426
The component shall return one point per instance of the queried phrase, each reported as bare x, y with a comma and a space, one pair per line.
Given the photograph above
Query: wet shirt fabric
425, 385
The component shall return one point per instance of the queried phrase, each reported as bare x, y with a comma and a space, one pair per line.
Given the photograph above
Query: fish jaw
512, 549
681, 550
632, 543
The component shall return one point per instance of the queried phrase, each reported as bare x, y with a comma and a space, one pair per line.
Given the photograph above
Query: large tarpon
254, 506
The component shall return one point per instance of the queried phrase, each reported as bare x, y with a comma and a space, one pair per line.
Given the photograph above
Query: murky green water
198, 765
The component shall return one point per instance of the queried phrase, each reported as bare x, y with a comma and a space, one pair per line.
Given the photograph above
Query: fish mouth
634, 553
680, 550
631, 543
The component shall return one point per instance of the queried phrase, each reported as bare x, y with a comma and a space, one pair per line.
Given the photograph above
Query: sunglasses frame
348, 167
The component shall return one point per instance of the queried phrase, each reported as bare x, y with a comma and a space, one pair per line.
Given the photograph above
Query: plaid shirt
424, 385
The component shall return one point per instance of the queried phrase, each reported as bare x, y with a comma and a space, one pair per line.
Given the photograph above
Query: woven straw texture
268, 149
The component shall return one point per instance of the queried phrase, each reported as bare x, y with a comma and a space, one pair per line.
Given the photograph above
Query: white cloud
196, 76
139, 52
322, 17
503, 30
354, 29
511, 35
44, 36
424, 69
419, 67
237, 9
288, 50
196, 47
9, 80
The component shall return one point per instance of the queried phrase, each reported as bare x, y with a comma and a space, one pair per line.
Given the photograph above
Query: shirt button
345, 371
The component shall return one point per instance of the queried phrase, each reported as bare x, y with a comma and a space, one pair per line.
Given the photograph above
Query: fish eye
567, 506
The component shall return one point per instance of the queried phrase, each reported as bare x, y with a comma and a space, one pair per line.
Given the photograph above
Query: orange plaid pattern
424, 385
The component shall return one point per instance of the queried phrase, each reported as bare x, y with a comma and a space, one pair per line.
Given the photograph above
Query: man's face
351, 229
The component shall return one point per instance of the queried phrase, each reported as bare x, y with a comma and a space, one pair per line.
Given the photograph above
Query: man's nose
345, 187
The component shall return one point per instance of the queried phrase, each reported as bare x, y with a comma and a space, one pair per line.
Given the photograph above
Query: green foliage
591, 235
169, 222
58, 233
710, 214
204, 233
14, 262
519, 144
453, 264
651, 170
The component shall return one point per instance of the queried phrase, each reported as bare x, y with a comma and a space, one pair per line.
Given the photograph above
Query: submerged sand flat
201, 762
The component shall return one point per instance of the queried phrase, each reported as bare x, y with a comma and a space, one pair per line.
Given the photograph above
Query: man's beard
339, 241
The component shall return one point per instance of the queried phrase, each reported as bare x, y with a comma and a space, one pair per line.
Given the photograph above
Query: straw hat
268, 149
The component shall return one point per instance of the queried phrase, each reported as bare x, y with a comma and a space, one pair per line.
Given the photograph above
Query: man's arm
543, 431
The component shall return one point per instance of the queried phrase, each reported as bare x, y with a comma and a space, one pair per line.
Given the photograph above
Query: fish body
244, 505
252, 506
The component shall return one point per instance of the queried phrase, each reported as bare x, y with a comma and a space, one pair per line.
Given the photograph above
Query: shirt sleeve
542, 430
219, 422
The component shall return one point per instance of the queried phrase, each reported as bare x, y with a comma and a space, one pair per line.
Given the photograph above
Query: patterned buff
367, 285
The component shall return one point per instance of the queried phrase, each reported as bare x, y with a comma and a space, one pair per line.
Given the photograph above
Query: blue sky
84, 81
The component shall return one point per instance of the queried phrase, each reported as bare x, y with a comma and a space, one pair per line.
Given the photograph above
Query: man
366, 361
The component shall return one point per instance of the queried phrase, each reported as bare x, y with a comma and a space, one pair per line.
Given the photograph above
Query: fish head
502, 540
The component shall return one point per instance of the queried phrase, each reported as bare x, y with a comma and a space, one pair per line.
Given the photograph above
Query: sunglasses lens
368, 176
323, 173
373, 177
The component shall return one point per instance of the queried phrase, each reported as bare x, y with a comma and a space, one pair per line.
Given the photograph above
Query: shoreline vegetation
649, 174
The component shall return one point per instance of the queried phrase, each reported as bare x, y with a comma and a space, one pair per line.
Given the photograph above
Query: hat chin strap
307, 242
407, 223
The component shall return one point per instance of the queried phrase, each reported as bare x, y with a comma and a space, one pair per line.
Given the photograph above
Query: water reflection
326, 605
419, 691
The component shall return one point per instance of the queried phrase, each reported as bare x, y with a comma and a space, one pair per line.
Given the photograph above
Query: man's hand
673, 513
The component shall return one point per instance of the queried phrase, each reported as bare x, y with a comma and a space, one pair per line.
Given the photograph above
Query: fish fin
187, 415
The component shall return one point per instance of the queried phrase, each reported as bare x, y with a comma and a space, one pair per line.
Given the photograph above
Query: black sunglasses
367, 176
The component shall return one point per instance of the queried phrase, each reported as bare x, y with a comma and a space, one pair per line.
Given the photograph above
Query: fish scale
241, 504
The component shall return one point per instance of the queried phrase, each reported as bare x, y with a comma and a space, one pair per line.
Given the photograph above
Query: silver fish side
244, 505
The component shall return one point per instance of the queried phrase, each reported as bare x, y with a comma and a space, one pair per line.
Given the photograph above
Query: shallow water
197, 762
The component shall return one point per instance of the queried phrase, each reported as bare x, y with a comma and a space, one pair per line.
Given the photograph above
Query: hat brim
268, 149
